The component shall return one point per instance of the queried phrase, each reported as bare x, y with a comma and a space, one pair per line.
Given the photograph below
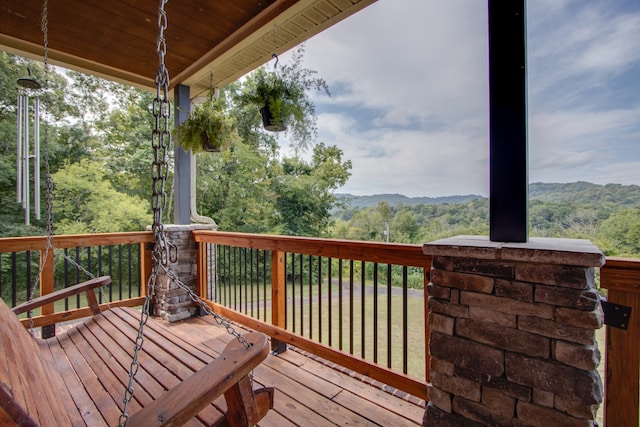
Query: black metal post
508, 165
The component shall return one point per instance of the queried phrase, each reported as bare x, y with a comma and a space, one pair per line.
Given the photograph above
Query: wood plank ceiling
116, 39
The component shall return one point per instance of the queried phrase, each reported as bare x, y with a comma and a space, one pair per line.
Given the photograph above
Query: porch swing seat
78, 378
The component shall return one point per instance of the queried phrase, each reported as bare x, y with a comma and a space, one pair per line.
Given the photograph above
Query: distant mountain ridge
360, 202
575, 192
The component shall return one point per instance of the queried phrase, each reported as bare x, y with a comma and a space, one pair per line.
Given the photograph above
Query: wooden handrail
387, 253
38, 243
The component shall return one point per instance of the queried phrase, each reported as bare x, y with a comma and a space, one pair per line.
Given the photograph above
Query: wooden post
145, 266
622, 359
201, 267
278, 282
427, 332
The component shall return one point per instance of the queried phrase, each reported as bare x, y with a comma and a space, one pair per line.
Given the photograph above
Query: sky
409, 84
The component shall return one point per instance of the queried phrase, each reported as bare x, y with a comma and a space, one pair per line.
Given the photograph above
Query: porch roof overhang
217, 40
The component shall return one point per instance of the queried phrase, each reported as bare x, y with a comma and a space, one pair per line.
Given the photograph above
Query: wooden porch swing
73, 379
54, 383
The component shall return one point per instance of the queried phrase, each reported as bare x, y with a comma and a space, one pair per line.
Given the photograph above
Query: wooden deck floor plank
376, 413
63, 368
275, 419
91, 415
364, 390
102, 400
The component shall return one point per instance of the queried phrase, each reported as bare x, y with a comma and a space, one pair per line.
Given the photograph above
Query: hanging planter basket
268, 121
208, 128
210, 145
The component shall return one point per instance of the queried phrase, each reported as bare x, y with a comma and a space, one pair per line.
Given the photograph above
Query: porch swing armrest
228, 374
88, 287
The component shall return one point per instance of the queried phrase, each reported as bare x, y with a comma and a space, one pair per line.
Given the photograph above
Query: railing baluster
375, 312
110, 268
264, 287
119, 271
14, 283
362, 308
389, 315
340, 302
310, 279
77, 270
351, 274
330, 298
251, 281
243, 278
405, 320
301, 276
130, 271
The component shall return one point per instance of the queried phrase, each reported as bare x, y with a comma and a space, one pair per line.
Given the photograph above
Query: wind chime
27, 107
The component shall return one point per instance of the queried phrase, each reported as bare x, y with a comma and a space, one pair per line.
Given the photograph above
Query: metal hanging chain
164, 252
160, 140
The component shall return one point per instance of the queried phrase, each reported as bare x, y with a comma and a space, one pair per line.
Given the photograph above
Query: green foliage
234, 189
620, 233
86, 202
208, 128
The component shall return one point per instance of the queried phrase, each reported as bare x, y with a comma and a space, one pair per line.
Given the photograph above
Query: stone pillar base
172, 303
513, 333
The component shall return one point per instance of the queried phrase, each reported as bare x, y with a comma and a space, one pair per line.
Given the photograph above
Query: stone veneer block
514, 322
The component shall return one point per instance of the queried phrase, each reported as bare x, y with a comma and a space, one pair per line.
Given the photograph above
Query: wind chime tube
19, 152
25, 164
36, 159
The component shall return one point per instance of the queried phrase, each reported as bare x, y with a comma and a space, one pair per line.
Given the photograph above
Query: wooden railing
273, 313
92, 252
621, 278
335, 299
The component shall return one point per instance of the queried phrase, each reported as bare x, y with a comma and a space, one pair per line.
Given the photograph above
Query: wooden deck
308, 391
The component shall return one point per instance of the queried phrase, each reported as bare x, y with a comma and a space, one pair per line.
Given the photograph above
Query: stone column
513, 333
171, 302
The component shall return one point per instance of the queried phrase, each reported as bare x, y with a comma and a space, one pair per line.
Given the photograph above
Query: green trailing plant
285, 92
208, 128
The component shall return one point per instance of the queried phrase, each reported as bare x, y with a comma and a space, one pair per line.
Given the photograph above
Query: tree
620, 233
234, 189
86, 202
305, 191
